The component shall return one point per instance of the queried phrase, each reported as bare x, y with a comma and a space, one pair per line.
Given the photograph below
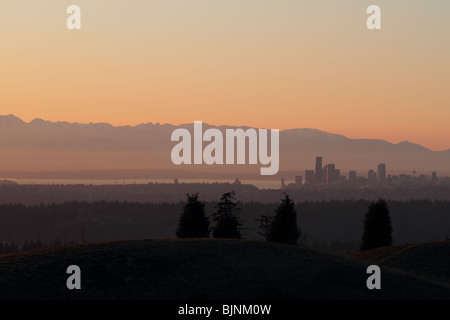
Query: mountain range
92, 148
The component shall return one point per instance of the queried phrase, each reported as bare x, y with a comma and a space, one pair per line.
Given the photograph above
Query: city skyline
329, 174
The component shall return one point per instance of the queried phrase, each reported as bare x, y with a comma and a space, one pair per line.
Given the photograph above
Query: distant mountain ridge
46, 145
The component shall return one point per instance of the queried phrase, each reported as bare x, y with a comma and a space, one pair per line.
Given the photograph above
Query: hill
202, 269
426, 259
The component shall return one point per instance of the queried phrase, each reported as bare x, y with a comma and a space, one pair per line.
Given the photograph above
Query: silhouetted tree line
29, 245
34, 194
330, 225
6, 248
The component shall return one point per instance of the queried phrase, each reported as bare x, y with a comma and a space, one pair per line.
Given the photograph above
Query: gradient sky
264, 63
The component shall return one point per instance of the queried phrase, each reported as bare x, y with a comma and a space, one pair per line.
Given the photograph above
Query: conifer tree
193, 222
226, 216
283, 226
377, 226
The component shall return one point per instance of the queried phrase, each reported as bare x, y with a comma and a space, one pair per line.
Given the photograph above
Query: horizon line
214, 125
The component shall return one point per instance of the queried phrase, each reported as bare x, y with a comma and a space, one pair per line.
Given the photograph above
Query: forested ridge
328, 225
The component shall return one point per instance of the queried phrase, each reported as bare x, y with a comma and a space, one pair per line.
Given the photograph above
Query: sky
276, 64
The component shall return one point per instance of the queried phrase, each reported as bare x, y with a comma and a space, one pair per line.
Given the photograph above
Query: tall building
331, 174
326, 174
309, 178
382, 173
337, 175
352, 176
319, 175
372, 176
298, 181
434, 178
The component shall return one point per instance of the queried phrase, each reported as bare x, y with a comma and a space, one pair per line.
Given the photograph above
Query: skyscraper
352, 176
309, 178
434, 178
382, 173
319, 176
330, 173
372, 176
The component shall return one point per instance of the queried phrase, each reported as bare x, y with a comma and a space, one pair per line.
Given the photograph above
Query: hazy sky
265, 63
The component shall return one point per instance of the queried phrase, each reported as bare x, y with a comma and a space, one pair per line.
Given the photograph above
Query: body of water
261, 184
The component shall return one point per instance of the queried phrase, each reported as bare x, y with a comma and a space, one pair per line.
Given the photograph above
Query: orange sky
276, 64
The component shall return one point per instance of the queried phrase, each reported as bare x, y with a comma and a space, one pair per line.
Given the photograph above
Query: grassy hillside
427, 259
202, 269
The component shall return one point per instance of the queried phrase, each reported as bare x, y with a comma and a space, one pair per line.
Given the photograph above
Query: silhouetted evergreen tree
193, 222
377, 226
283, 226
226, 215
